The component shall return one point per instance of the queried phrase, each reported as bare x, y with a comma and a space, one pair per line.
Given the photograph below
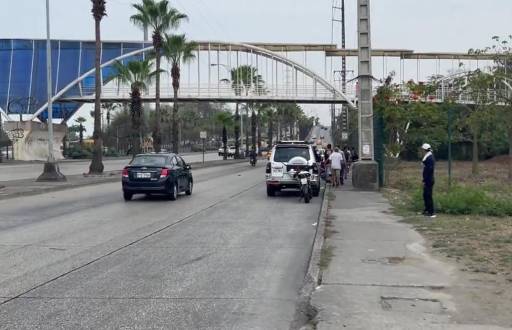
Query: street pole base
51, 173
365, 175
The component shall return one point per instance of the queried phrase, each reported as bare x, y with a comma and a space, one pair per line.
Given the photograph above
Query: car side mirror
188, 167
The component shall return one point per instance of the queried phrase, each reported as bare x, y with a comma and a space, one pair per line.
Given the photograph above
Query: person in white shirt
337, 163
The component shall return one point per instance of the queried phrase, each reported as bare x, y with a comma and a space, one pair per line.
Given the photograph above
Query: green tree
177, 50
137, 74
161, 17
245, 80
478, 88
96, 166
502, 71
226, 120
80, 129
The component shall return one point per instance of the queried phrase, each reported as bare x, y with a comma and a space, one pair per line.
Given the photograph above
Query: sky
420, 25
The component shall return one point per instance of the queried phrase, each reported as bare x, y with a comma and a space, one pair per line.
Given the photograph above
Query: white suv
277, 176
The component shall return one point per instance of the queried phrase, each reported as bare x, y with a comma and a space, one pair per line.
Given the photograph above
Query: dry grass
479, 243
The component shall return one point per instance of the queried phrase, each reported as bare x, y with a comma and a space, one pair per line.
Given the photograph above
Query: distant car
230, 149
157, 173
277, 176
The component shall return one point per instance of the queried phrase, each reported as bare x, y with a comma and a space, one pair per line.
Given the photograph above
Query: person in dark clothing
429, 164
355, 156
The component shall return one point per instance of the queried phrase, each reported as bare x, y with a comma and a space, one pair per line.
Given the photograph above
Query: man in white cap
429, 164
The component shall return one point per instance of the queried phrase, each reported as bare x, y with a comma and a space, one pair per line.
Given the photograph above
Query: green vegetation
476, 131
474, 223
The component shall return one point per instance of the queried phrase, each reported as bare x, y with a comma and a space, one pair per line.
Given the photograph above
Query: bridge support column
365, 172
30, 139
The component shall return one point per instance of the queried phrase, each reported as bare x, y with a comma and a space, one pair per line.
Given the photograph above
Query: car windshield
149, 161
286, 153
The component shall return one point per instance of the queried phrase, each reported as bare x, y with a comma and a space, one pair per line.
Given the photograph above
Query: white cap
426, 146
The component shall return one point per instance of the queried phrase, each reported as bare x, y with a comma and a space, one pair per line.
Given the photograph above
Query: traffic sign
202, 135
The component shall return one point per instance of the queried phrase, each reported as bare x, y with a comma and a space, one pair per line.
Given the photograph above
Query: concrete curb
107, 177
305, 313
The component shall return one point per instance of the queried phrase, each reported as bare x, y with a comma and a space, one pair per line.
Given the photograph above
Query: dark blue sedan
157, 173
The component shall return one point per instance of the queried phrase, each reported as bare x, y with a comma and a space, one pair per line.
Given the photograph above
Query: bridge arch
333, 93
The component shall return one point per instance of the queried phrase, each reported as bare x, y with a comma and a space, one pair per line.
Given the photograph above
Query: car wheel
127, 196
173, 193
189, 188
271, 192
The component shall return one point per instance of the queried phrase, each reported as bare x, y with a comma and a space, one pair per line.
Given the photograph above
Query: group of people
337, 164
336, 167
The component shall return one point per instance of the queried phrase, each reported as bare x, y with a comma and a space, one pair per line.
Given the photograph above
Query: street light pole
51, 168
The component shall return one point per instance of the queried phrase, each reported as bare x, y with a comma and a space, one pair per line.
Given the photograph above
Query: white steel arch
336, 93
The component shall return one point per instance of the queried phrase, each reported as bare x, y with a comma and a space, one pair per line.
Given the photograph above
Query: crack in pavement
160, 298
131, 243
411, 286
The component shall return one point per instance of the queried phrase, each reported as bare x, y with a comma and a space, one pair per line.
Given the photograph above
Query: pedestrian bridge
277, 78
281, 76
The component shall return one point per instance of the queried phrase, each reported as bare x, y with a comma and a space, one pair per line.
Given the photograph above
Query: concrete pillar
365, 173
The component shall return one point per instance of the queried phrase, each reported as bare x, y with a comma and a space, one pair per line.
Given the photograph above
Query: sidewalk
16, 188
381, 276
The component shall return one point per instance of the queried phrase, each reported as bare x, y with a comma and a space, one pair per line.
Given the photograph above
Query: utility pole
51, 167
365, 174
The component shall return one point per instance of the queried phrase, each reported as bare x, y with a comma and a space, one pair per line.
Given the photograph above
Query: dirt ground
480, 247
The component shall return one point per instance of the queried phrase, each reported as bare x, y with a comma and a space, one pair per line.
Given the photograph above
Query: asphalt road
318, 131
33, 170
227, 257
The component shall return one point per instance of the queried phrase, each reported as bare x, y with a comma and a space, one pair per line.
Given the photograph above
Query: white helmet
426, 147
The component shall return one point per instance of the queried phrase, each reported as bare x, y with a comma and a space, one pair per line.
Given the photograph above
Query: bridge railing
224, 91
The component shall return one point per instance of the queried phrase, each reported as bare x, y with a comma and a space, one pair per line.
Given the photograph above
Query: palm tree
161, 17
98, 12
226, 120
269, 114
81, 129
245, 79
138, 75
177, 50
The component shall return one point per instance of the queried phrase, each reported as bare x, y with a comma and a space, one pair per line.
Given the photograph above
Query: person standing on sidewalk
336, 160
328, 171
429, 164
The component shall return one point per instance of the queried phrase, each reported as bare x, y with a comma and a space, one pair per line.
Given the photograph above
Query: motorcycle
306, 192
253, 160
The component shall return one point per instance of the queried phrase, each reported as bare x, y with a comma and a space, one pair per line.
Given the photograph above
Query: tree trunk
175, 134
225, 141
247, 128
237, 131
258, 127
157, 134
510, 153
474, 169
96, 166
270, 132
136, 111
253, 131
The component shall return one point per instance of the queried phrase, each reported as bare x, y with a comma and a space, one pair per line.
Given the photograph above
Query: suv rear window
284, 154
149, 161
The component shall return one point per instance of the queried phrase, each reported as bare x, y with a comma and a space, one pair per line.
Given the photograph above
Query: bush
77, 153
465, 200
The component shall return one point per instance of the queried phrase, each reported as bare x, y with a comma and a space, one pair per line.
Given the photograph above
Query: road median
28, 187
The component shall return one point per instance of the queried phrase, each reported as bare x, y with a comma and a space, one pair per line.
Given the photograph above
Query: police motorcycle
299, 171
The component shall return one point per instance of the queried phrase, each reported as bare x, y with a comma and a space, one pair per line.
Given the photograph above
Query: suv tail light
125, 172
268, 168
165, 173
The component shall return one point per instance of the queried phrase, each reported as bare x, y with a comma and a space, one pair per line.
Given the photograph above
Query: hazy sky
421, 25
